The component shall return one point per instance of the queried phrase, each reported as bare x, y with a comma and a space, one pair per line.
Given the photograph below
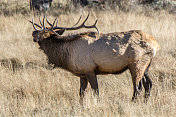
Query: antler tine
93, 26
40, 22
52, 25
44, 22
56, 22
96, 26
49, 22
33, 24
77, 22
83, 24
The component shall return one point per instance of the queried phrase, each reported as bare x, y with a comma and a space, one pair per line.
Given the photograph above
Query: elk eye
46, 35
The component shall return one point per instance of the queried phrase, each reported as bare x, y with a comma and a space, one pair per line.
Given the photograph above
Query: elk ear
60, 32
46, 35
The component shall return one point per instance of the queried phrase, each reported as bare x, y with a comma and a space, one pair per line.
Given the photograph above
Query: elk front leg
83, 86
92, 79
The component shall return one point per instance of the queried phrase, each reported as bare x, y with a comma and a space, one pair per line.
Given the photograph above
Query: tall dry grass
37, 91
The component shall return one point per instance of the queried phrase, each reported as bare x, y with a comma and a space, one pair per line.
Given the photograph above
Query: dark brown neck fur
56, 50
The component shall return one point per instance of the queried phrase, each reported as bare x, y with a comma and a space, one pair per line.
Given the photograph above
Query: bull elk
89, 54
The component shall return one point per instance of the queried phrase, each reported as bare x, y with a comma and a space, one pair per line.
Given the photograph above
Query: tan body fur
110, 52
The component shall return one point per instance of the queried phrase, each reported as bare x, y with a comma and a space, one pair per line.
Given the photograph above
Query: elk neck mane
56, 48
72, 37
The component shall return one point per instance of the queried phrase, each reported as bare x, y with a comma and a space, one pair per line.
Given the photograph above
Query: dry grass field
30, 87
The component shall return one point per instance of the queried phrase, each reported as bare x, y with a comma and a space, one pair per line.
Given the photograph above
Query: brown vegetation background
30, 87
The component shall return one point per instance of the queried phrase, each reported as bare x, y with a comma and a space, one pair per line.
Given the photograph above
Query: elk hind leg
140, 85
147, 83
137, 71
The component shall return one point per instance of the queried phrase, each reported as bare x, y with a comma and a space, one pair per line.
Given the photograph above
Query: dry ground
28, 87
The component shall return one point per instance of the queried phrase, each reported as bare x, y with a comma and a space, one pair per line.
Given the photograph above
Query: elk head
46, 32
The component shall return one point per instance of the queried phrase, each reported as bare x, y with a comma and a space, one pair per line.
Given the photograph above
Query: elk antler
77, 22
73, 27
43, 28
